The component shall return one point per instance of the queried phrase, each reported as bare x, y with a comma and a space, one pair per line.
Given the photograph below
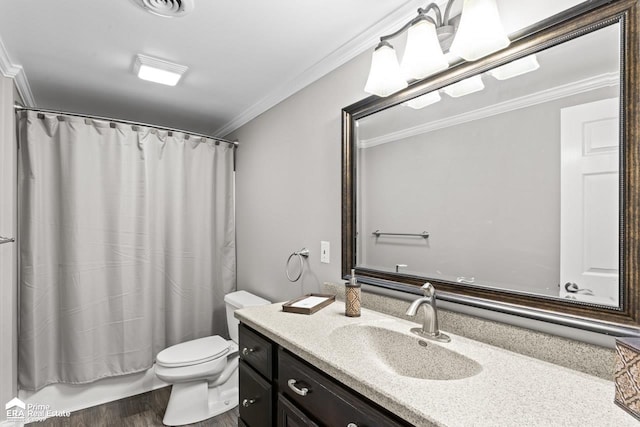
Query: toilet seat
193, 352
205, 371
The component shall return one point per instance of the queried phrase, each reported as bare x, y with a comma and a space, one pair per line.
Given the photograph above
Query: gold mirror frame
620, 321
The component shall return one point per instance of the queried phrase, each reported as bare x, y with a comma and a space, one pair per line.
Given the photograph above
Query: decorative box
627, 375
308, 304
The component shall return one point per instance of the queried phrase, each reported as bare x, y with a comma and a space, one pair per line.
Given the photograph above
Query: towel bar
379, 233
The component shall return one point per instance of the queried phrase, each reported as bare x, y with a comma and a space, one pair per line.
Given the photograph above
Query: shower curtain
127, 245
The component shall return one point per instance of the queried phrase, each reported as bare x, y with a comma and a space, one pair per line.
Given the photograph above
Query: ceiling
243, 56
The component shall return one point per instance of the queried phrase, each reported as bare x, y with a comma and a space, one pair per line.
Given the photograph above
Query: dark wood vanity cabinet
325, 399
290, 416
257, 351
256, 371
256, 397
280, 389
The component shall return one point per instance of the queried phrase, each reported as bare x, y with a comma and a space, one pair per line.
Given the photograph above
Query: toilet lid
193, 352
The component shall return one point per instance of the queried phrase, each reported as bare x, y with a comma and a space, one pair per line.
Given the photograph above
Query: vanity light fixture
479, 33
465, 87
422, 55
515, 68
424, 100
385, 76
158, 70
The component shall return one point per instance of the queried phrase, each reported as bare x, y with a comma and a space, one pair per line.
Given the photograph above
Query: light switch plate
325, 256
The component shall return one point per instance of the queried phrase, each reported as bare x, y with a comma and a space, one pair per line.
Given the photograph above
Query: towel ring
302, 253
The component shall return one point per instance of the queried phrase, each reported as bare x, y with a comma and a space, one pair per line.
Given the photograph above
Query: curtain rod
127, 122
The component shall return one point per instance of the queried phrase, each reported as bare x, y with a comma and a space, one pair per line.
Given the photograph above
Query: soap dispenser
352, 296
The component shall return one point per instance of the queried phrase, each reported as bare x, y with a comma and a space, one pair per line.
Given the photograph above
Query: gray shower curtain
127, 245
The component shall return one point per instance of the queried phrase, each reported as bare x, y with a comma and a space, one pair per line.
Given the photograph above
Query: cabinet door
290, 416
257, 351
255, 398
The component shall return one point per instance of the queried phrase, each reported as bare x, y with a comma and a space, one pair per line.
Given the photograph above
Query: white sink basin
382, 345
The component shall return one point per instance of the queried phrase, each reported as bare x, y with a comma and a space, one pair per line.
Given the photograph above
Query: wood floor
143, 410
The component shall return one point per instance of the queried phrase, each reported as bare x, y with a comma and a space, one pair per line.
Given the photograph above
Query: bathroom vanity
279, 388
328, 369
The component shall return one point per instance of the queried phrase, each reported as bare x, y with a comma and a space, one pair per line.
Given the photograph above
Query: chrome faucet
430, 323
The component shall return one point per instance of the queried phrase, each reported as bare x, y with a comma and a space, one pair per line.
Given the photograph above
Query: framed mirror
512, 182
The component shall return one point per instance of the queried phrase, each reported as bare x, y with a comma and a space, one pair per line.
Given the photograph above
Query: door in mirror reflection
589, 202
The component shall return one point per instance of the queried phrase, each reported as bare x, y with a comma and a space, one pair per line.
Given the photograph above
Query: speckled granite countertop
511, 389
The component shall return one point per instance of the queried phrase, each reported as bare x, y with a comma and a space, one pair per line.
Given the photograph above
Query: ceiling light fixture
158, 70
479, 33
515, 68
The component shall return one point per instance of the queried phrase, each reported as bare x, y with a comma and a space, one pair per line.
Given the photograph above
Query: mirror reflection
508, 179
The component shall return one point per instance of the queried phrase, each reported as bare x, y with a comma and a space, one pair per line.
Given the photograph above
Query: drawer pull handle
246, 351
301, 391
248, 402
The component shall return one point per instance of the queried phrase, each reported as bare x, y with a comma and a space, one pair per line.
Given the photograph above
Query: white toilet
204, 372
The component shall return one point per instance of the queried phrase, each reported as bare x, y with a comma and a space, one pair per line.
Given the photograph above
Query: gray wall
8, 251
16, 95
488, 191
288, 185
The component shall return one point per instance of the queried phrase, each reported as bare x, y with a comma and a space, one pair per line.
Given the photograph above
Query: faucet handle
428, 290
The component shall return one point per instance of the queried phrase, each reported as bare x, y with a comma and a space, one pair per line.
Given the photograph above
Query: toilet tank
236, 300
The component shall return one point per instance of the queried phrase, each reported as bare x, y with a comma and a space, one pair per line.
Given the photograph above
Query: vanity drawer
290, 416
256, 351
255, 398
325, 399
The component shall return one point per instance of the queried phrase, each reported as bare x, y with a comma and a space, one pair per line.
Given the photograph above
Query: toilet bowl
204, 371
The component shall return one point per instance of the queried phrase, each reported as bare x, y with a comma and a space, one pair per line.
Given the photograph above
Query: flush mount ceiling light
157, 70
166, 8
479, 33
515, 68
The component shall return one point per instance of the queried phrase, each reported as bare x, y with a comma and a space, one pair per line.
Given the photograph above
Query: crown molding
16, 72
362, 42
557, 92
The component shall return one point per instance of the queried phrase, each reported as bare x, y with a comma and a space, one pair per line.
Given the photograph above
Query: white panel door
589, 201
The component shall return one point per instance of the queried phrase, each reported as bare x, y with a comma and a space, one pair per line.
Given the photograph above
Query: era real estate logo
15, 409
18, 411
